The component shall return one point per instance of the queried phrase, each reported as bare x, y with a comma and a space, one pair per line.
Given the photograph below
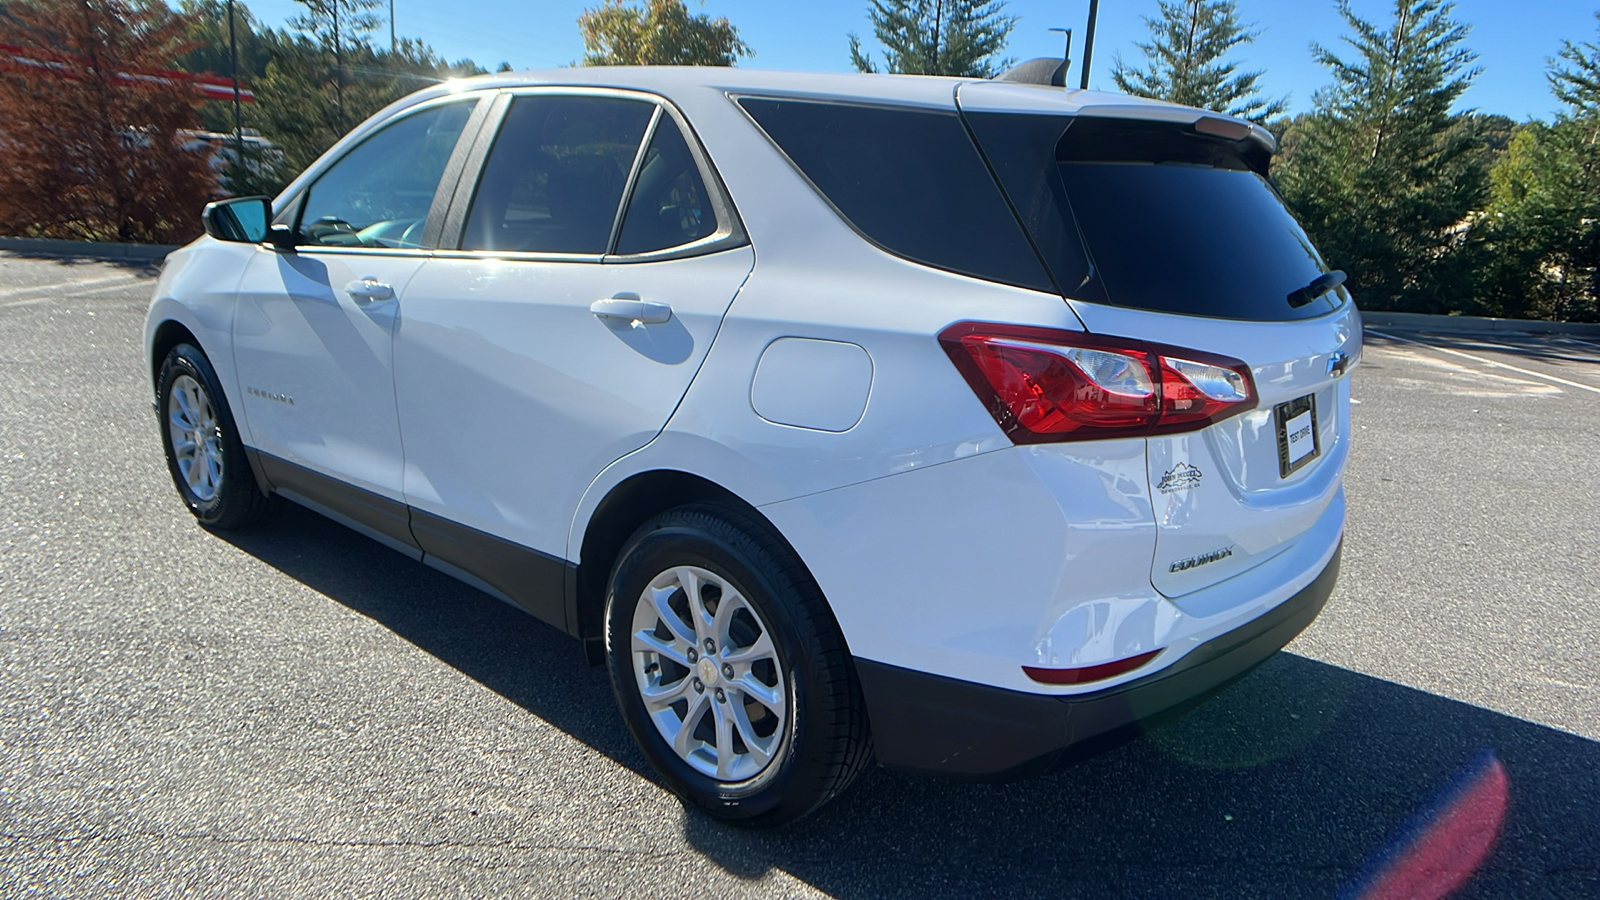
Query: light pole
238, 111
1088, 42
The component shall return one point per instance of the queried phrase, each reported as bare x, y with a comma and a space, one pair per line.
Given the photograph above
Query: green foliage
1576, 82
1184, 61
937, 37
305, 107
660, 33
1542, 229
1383, 176
307, 96
334, 24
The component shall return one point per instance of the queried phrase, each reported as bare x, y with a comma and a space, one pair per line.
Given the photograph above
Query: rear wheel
729, 669
204, 453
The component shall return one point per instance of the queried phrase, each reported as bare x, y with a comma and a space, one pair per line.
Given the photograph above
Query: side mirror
241, 220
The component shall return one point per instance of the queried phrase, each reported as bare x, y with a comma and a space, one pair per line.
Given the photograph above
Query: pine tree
298, 101
336, 25
1184, 61
662, 33
1576, 82
1382, 174
937, 37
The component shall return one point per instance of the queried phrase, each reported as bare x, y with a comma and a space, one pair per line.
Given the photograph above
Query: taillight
1041, 384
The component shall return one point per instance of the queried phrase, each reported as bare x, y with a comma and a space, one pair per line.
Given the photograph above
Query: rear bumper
958, 728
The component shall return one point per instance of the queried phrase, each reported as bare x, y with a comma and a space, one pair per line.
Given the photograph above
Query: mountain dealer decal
1180, 477
1183, 565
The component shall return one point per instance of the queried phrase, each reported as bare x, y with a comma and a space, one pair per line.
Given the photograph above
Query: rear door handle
368, 290
627, 307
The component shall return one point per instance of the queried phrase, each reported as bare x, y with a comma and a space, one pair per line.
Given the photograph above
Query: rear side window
908, 180
669, 207
1166, 219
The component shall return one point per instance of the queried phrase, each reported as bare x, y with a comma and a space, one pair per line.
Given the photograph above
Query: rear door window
908, 180
1164, 218
555, 176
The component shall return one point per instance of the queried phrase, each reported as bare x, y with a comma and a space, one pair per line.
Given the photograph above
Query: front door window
379, 194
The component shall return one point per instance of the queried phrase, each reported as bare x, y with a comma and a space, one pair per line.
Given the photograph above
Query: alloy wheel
196, 437
709, 674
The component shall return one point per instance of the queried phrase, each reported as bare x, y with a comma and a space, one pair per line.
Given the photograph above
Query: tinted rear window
1166, 220
908, 180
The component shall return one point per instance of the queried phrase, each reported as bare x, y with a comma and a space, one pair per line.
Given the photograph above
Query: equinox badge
1183, 565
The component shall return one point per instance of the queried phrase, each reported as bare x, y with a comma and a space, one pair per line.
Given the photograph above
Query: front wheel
729, 669
204, 453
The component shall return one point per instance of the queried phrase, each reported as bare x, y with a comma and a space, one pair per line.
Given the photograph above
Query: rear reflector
1089, 673
1043, 384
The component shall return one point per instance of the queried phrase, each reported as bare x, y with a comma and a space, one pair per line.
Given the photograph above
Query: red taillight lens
1042, 384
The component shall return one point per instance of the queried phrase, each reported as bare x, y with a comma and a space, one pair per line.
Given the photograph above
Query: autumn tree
657, 33
1382, 174
1186, 61
937, 37
93, 143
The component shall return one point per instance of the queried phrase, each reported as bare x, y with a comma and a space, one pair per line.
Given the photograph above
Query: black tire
826, 741
235, 500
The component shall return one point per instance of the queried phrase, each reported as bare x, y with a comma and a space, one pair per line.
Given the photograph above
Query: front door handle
368, 290
628, 307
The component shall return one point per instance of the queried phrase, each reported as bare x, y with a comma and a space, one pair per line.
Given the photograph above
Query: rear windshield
908, 180
1150, 215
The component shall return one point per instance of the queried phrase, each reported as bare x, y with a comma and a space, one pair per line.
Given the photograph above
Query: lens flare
1441, 848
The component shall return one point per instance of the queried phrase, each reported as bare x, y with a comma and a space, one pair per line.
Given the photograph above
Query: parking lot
301, 711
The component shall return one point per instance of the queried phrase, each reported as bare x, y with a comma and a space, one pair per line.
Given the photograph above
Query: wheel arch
170, 333
625, 507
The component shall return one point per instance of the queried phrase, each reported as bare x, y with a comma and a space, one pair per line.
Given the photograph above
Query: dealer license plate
1298, 443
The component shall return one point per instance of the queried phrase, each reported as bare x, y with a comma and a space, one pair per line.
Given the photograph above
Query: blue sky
1512, 39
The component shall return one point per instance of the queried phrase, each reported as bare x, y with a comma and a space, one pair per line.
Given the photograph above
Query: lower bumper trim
959, 728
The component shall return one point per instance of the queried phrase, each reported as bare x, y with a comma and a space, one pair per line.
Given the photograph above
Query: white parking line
1490, 362
1564, 342
83, 289
79, 284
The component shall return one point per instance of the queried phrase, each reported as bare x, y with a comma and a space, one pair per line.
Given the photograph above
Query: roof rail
1042, 70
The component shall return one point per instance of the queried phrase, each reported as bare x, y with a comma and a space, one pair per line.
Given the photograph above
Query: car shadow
1302, 780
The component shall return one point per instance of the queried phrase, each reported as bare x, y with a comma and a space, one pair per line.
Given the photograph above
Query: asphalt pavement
298, 711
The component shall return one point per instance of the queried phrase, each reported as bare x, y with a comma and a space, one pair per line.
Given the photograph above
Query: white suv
958, 423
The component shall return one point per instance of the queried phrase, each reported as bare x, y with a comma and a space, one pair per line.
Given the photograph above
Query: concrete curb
1475, 324
90, 249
